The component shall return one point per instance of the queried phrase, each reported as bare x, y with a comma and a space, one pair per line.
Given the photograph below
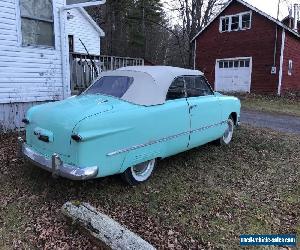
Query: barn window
37, 23
241, 21
235, 22
225, 24
246, 21
290, 69
247, 63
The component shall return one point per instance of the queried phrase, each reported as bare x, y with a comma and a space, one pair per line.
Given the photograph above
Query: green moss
76, 203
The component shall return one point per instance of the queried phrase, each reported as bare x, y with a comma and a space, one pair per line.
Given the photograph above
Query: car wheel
139, 173
228, 134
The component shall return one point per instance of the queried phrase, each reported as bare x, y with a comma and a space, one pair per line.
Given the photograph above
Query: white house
34, 56
80, 25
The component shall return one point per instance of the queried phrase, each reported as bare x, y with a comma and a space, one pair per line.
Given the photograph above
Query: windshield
111, 85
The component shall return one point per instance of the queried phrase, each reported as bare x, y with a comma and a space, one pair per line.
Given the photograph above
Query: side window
176, 90
37, 22
197, 86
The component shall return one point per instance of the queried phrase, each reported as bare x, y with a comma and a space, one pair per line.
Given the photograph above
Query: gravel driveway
282, 123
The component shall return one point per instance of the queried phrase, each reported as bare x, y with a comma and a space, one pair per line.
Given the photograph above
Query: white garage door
233, 75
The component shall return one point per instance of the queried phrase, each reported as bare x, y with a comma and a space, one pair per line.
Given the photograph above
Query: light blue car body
116, 134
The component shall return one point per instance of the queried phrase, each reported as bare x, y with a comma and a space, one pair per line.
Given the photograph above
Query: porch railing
83, 72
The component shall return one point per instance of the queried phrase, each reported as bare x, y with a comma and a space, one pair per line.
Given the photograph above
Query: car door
205, 111
176, 119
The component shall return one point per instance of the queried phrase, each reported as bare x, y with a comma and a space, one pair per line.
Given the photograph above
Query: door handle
193, 106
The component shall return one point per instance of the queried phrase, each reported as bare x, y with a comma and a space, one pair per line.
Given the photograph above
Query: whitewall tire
228, 134
139, 173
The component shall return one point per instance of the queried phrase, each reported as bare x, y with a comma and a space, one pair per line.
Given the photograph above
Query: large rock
109, 232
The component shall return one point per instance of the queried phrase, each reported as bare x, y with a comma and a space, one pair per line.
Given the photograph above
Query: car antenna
90, 57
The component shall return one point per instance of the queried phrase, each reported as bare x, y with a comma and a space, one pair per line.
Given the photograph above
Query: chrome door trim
168, 138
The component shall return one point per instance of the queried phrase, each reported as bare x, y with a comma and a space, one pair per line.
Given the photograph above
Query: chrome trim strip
56, 166
163, 139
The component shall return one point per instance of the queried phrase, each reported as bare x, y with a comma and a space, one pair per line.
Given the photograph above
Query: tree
194, 15
140, 28
133, 28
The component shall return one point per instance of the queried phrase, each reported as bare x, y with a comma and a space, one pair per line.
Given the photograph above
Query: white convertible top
151, 83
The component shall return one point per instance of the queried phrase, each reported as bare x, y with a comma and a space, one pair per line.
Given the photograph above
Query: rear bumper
55, 165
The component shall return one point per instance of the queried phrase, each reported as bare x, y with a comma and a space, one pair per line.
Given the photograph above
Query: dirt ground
201, 199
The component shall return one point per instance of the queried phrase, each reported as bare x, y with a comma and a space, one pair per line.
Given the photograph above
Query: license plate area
43, 135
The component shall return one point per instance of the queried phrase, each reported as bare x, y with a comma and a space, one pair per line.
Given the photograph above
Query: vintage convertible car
125, 121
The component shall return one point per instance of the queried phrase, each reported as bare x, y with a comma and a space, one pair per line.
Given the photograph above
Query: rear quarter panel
129, 135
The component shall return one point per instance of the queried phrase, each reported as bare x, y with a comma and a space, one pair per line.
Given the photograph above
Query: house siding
257, 42
291, 83
81, 28
27, 74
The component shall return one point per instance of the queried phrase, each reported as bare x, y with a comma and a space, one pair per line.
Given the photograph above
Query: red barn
245, 50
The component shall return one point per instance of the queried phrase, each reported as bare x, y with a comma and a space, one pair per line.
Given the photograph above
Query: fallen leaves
201, 199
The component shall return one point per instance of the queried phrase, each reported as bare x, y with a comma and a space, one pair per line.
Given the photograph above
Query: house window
71, 43
290, 69
241, 21
37, 23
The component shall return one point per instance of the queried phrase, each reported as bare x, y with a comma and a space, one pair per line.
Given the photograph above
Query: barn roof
279, 23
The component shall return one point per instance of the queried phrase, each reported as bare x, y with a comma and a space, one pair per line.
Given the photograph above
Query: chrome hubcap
142, 171
227, 137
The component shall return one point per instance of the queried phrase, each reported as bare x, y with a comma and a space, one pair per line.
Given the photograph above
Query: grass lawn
204, 198
283, 105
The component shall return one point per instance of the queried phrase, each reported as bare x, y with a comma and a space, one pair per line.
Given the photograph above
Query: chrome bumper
56, 166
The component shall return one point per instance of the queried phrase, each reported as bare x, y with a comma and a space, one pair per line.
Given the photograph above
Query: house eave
92, 22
